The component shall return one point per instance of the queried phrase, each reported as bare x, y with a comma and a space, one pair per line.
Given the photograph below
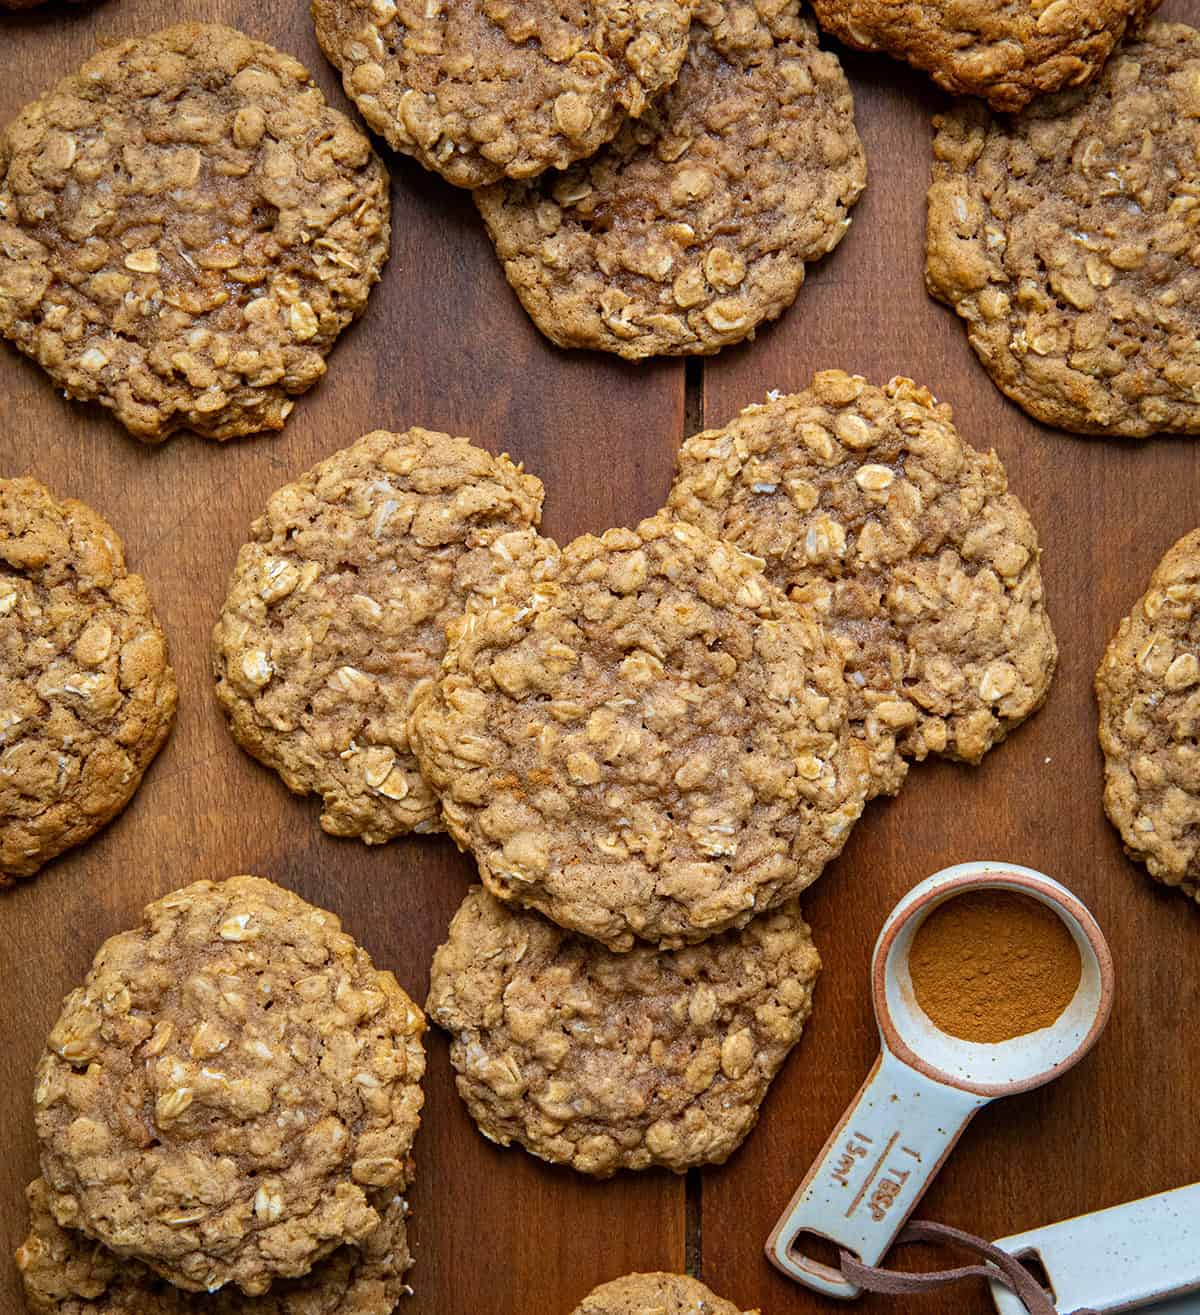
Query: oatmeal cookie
1148, 688
485, 89
655, 1294
233, 1092
694, 226
1065, 237
870, 510
185, 229
337, 611
87, 696
1005, 51
548, 1053
651, 744
65, 1273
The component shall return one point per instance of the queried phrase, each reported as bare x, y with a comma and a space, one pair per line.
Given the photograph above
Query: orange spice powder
991, 965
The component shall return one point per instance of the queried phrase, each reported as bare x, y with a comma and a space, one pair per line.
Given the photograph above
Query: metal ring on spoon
927, 1085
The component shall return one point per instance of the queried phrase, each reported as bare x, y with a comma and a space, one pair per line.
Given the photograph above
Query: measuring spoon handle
871, 1173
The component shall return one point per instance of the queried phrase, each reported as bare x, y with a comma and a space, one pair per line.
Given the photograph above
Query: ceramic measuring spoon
927, 1085
1121, 1259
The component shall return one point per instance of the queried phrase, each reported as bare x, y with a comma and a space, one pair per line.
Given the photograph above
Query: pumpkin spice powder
991, 965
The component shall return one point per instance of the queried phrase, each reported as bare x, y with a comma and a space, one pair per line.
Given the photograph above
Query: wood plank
443, 344
1117, 1127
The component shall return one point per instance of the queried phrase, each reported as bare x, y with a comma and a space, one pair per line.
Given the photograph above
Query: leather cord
1000, 1267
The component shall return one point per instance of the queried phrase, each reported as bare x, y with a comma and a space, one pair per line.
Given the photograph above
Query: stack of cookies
654, 175
651, 741
226, 1109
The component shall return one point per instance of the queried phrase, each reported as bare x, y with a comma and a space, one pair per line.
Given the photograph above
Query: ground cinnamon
993, 964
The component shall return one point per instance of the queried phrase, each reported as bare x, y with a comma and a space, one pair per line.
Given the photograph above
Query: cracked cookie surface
66, 1273
870, 511
185, 229
87, 696
693, 227
337, 610
1064, 237
651, 744
549, 1053
1004, 51
1148, 689
483, 89
233, 1092
655, 1294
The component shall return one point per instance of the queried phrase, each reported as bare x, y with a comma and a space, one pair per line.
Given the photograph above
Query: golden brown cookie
655, 1294
870, 510
337, 611
87, 696
185, 229
66, 1273
1064, 237
550, 1054
482, 89
233, 1092
1004, 51
651, 744
694, 226
1148, 688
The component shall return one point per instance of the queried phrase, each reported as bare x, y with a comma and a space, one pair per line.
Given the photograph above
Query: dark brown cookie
694, 226
87, 696
1065, 238
1005, 51
185, 229
233, 1092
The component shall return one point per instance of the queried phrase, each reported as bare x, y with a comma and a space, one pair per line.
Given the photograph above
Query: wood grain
445, 345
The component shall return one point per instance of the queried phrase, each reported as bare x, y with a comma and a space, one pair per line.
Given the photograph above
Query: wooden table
444, 344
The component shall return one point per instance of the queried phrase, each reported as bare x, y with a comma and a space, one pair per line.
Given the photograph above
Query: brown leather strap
1001, 1267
